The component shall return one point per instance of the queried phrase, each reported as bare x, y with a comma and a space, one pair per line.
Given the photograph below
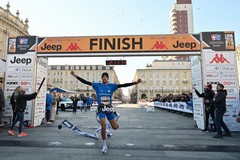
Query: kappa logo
73, 47
219, 59
159, 45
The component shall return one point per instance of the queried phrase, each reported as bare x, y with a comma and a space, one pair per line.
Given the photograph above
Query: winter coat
49, 101
220, 100
21, 101
207, 95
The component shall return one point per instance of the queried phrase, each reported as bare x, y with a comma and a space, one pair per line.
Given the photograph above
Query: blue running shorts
109, 116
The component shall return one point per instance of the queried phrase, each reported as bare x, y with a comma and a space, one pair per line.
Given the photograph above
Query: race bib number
105, 100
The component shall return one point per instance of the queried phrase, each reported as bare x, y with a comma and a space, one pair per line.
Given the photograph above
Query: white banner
198, 108
221, 67
40, 103
176, 106
18, 66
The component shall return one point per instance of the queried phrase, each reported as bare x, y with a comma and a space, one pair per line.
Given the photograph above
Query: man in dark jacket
208, 96
220, 105
21, 104
75, 100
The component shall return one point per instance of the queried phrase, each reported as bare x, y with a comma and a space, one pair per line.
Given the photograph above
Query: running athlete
104, 93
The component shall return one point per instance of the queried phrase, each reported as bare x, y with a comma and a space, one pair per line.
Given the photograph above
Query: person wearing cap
208, 96
104, 91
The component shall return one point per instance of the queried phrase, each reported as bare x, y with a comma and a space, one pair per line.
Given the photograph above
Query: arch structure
213, 61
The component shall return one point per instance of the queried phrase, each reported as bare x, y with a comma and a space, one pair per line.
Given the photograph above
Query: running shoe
22, 134
109, 134
104, 149
11, 132
96, 135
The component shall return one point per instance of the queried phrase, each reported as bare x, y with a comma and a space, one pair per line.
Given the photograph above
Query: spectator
89, 102
2, 101
84, 99
21, 101
220, 105
49, 101
54, 106
238, 118
13, 101
75, 101
208, 96
58, 99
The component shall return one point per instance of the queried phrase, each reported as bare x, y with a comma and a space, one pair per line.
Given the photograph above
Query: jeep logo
51, 47
190, 45
26, 61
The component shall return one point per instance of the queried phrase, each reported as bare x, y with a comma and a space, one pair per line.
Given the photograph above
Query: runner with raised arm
104, 91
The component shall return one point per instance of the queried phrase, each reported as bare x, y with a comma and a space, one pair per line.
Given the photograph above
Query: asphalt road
142, 136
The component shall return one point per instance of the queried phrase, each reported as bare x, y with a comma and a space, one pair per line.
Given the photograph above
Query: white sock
104, 142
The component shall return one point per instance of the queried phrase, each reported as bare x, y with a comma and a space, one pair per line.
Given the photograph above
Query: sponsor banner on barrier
197, 80
18, 66
224, 62
177, 106
40, 102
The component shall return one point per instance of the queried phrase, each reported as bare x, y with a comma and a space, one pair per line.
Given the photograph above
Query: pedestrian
220, 105
104, 91
208, 96
21, 104
75, 101
14, 104
49, 101
2, 101
54, 106
89, 102
58, 100
238, 117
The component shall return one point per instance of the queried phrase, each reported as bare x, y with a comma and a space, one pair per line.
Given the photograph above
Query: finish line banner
59, 46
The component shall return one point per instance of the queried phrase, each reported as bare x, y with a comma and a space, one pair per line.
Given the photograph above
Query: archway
213, 58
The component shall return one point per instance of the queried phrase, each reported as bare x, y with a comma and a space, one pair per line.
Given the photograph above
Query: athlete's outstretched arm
81, 79
129, 84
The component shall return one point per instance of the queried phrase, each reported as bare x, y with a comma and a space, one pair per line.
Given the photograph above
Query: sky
58, 18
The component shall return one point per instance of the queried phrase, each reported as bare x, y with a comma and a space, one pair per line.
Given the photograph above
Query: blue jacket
49, 101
